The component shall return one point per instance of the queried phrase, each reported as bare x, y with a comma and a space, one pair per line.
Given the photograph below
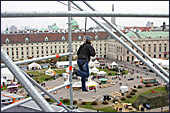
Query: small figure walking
161, 109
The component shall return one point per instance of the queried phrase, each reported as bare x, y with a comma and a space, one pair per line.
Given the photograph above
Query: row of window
154, 45
46, 39
149, 49
54, 43
154, 56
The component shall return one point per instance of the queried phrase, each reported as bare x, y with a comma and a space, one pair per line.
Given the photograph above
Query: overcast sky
148, 7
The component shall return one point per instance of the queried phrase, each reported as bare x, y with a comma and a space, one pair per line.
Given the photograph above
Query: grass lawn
107, 109
49, 100
65, 103
4, 88
132, 100
60, 71
89, 106
40, 75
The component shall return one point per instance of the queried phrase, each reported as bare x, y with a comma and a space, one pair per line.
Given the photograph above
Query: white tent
161, 62
89, 83
94, 70
5, 72
101, 73
136, 60
3, 82
165, 64
113, 64
77, 84
123, 89
50, 72
34, 65
91, 63
97, 64
65, 64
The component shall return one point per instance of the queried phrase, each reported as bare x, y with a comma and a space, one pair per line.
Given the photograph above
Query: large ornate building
21, 46
155, 44
38, 44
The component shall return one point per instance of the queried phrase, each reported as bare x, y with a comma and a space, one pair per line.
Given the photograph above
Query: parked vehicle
148, 80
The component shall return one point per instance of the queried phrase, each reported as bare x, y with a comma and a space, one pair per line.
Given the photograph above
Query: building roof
139, 28
148, 34
153, 34
52, 37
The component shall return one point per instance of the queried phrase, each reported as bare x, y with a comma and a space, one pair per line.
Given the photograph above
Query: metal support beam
126, 46
29, 99
70, 56
41, 102
37, 59
130, 41
46, 92
77, 14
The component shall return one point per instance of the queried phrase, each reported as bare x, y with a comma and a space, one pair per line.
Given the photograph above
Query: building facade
155, 44
38, 44
25, 45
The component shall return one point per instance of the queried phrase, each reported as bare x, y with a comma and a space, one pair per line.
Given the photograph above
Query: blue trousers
83, 71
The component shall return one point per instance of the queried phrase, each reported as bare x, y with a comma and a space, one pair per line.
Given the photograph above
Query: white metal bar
78, 14
37, 59
46, 92
41, 102
29, 99
126, 46
130, 41
70, 56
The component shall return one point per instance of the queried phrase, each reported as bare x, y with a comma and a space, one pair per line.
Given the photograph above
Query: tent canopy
50, 72
5, 72
91, 63
3, 80
124, 89
136, 60
94, 70
65, 64
113, 63
33, 65
103, 79
96, 62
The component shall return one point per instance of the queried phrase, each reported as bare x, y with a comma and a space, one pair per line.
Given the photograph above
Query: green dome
42, 29
74, 25
55, 28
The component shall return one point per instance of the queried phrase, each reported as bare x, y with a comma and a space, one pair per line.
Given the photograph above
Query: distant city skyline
148, 7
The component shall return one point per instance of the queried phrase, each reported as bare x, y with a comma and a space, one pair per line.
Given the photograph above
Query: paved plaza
91, 95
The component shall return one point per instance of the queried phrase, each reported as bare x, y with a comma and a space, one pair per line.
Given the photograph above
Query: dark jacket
85, 51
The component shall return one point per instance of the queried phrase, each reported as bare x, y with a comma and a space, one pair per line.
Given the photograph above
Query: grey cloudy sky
149, 7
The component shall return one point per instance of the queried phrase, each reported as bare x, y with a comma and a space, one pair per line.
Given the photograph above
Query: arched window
79, 38
96, 37
26, 39
63, 38
46, 38
7, 40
